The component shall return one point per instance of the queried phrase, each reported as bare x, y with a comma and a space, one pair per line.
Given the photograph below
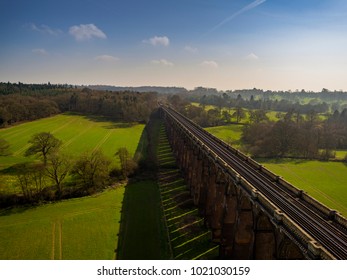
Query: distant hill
165, 90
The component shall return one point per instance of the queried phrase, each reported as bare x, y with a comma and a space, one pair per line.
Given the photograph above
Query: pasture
80, 228
79, 134
231, 134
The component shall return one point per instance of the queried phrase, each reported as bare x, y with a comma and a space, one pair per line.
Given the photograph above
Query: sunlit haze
229, 44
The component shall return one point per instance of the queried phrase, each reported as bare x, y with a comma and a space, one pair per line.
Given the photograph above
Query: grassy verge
83, 228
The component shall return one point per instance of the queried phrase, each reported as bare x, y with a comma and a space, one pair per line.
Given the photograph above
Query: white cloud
252, 56
162, 62
85, 32
45, 29
158, 41
210, 63
106, 58
190, 49
40, 51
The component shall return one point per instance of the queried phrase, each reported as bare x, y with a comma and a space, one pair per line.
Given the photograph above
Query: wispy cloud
250, 6
209, 63
85, 32
45, 29
190, 49
163, 62
252, 56
106, 58
158, 41
39, 51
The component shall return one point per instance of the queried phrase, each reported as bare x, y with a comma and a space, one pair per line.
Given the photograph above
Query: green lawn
228, 133
81, 228
78, 133
325, 181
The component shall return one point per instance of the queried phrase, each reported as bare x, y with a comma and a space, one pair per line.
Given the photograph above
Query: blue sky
229, 44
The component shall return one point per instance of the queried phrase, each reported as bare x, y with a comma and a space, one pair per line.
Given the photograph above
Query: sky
223, 44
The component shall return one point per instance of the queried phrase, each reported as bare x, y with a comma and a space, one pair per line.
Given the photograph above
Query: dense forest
26, 102
295, 135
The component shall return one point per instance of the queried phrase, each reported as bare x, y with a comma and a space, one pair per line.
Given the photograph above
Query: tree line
18, 105
296, 135
56, 175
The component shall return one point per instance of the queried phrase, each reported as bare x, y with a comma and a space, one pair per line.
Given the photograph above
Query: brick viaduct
244, 223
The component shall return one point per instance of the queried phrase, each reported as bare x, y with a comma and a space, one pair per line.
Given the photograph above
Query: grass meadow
79, 134
231, 134
80, 228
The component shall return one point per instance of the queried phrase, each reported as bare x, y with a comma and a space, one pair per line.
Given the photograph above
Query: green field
78, 133
228, 133
80, 228
325, 181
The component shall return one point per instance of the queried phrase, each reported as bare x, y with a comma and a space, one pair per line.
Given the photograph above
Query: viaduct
252, 213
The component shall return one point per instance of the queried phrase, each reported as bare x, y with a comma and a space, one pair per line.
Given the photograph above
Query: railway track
330, 236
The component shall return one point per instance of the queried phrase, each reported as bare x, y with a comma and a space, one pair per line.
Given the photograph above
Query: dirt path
53, 241
60, 240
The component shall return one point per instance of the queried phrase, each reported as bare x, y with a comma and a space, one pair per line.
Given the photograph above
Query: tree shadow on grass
15, 210
114, 122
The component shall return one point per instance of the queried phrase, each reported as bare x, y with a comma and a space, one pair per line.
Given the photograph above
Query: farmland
102, 226
80, 228
228, 133
79, 134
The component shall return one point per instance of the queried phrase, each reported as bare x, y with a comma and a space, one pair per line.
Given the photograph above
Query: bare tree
58, 168
91, 169
42, 144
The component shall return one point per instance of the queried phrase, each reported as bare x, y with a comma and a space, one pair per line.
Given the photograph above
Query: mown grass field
231, 134
78, 133
81, 228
